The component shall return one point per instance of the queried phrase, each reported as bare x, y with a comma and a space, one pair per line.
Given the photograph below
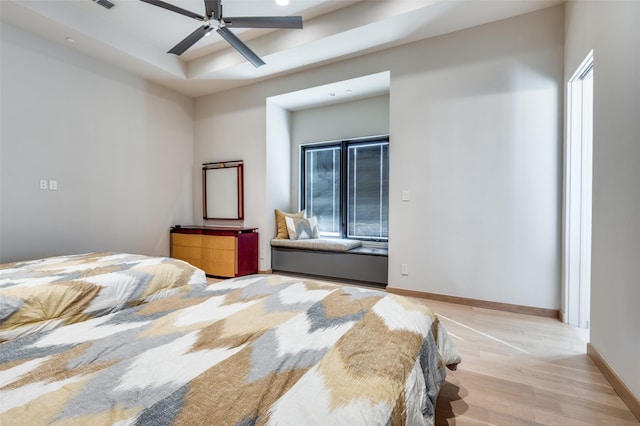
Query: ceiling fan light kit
213, 19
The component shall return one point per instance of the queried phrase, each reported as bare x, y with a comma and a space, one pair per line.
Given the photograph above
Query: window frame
343, 146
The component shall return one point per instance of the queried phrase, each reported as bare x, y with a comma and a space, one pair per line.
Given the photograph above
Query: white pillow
301, 228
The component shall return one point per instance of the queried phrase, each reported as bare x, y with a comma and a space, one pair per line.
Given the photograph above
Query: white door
578, 191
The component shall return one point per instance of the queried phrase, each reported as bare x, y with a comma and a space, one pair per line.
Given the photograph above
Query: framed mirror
222, 190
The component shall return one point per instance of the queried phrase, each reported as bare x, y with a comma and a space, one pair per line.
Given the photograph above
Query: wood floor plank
522, 370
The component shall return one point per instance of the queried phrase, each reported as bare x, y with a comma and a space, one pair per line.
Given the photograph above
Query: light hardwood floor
522, 370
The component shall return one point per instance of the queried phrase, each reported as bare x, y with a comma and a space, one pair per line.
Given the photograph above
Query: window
346, 186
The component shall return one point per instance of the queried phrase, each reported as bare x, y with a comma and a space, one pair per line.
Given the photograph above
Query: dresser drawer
218, 251
221, 263
186, 252
187, 240
218, 243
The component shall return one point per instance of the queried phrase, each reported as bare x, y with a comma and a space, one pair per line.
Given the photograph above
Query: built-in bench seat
331, 258
326, 244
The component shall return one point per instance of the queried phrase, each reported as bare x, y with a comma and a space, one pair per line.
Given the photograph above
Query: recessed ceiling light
70, 40
348, 91
282, 2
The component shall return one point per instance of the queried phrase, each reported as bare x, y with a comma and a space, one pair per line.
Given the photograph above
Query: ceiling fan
213, 19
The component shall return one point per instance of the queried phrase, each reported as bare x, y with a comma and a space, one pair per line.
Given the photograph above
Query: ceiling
135, 36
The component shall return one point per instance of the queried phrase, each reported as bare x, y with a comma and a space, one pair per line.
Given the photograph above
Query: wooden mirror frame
222, 190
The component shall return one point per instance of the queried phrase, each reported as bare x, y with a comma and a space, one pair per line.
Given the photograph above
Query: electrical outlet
405, 269
53, 185
44, 184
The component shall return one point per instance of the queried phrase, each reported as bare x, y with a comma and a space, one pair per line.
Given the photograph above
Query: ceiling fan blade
190, 40
173, 8
294, 22
213, 8
242, 48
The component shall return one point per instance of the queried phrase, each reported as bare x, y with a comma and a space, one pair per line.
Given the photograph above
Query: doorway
578, 192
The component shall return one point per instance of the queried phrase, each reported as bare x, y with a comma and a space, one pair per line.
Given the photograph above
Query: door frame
578, 161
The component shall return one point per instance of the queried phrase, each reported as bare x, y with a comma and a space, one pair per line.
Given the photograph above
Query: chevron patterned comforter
257, 350
43, 294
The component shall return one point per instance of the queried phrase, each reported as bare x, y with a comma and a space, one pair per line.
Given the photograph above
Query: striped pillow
301, 228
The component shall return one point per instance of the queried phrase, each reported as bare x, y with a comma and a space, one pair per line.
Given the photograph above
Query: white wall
227, 128
611, 30
232, 125
120, 148
278, 176
476, 124
346, 120
475, 128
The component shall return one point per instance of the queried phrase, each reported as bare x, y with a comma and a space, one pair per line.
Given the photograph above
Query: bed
255, 350
42, 294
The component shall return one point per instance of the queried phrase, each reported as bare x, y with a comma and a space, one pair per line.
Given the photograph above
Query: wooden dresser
218, 251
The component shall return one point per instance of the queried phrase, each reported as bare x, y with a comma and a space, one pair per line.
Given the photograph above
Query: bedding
46, 293
255, 350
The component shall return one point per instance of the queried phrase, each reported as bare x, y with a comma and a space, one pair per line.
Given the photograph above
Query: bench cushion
326, 244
